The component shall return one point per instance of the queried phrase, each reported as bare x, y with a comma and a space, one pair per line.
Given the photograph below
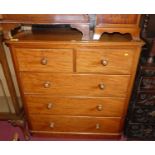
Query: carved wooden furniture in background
15, 137
140, 122
117, 23
10, 85
141, 117
75, 88
10, 108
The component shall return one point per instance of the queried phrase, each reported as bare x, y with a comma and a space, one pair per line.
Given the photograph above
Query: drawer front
75, 84
75, 106
74, 124
116, 19
49, 60
108, 61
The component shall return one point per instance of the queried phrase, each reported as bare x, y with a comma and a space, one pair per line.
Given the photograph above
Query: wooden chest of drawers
73, 87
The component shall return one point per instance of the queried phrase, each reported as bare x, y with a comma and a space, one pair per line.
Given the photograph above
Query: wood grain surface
75, 124
75, 84
57, 60
102, 19
80, 106
119, 61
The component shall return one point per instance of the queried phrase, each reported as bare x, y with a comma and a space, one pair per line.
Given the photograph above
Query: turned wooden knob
104, 62
99, 107
51, 125
44, 61
47, 84
49, 106
101, 86
97, 126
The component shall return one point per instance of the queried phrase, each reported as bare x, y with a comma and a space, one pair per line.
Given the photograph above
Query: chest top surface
70, 36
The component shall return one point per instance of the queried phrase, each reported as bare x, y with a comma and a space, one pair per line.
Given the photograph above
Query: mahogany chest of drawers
72, 87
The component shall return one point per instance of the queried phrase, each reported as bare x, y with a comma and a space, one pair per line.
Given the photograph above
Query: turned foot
22, 125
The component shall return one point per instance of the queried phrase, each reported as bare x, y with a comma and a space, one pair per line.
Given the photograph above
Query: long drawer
44, 60
81, 106
74, 84
107, 61
74, 124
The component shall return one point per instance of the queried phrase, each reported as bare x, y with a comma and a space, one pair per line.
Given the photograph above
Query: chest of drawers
72, 87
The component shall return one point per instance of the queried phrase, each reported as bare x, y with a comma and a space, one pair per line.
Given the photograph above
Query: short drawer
74, 124
108, 61
48, 60
112, 107
75, 84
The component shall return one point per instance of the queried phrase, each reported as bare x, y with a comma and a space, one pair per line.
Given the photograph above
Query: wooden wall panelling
117, 23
